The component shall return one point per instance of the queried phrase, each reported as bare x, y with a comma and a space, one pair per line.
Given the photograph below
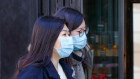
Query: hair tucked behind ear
45, 33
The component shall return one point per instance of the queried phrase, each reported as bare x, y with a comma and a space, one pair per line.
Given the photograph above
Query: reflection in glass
102, 19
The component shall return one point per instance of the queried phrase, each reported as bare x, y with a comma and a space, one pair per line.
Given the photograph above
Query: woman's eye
80, 31
85, 30
64, 34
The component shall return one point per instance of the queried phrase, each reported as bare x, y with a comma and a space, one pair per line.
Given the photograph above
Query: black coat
47, 72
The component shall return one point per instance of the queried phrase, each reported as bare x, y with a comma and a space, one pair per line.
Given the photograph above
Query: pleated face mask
66, 47
79, 41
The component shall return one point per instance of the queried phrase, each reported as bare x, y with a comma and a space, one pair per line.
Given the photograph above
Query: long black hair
45, 33
72, 17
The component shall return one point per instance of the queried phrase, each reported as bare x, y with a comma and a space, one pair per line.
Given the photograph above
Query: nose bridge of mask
79, 38
66, 42
79, 41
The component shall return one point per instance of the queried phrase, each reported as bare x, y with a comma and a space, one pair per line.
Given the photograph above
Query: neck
55, 59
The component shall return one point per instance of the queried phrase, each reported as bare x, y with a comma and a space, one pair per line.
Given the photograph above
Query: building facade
109, 36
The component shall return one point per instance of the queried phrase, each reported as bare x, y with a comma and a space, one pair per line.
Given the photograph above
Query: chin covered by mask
66, 47
79, 42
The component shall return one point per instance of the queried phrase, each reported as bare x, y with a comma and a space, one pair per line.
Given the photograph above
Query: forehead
83, 25
65, 28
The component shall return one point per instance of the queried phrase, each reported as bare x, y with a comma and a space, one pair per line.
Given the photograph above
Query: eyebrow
82, 28
65, 30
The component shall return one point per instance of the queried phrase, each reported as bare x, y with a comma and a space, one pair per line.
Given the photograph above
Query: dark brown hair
73, 19
45, 33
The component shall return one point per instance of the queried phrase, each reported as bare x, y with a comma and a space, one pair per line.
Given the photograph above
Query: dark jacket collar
68, 71
54, 74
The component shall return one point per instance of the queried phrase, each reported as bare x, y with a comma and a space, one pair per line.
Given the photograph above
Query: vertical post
45, 8
110, 23
59, 4
121, 43
81, 5
0, 55
131, 43
40, 8
49, 6
53, 6
67, 3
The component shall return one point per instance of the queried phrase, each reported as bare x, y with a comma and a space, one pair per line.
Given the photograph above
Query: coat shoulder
31, 72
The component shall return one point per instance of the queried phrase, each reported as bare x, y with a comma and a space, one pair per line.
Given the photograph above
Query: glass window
103, 36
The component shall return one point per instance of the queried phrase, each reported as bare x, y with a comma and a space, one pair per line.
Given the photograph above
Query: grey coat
79, 72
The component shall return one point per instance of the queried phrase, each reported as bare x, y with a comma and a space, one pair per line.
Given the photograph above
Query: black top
47, 72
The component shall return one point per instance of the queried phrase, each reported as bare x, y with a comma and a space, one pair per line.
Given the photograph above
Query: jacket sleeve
31, 73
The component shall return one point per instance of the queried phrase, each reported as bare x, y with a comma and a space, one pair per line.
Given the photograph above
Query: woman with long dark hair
50, 43
76, 24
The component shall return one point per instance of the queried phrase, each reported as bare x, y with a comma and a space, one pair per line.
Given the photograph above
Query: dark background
16, 22
17, 17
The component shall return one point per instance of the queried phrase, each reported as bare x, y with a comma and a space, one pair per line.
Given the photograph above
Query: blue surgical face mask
66, 47
79, 42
